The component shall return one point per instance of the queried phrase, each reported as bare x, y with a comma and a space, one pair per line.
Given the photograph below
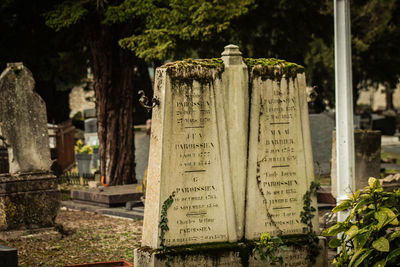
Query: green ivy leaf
381, 244
334, 243
393, 254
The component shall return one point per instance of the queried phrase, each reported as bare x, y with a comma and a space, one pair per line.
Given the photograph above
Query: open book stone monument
212, 189
29, 198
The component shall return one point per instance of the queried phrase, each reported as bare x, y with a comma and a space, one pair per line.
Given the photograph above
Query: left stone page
186, 185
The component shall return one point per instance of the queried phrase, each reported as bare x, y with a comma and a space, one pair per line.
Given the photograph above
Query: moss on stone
272, 68
201, 70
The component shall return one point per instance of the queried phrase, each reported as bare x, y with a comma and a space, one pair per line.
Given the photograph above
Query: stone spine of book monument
223, 169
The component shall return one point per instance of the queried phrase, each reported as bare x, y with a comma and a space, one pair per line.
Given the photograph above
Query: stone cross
23, 121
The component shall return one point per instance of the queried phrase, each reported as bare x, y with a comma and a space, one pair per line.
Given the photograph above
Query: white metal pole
344, 104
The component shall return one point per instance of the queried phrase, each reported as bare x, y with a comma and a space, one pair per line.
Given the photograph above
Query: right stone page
280, 164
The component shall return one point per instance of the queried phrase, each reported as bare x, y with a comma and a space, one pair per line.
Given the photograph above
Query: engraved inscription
277, 161
197, 213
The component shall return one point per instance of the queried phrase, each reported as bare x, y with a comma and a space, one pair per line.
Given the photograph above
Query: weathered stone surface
367, 158
91, 125
321, 127
228, 254
23, 120
25, 204
108, 196
280, 166
189, 148
25, 182
236, 105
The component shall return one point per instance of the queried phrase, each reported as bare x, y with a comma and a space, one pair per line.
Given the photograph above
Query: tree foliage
151, 29
57, 61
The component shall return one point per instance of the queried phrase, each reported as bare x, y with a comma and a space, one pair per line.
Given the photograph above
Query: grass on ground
86, 237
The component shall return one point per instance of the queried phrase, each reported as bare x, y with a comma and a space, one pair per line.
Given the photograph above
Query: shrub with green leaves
268, 247
370, 235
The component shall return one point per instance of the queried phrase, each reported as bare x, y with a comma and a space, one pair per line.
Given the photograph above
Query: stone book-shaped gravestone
280, 166
23, 121
204, 196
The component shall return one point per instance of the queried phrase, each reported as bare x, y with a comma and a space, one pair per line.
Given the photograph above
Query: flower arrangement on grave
82, 149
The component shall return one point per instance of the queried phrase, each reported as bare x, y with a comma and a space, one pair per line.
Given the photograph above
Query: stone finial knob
231, 50
232, 55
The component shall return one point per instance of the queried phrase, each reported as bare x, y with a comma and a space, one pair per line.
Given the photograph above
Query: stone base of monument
108, 196
28, 201
224, 254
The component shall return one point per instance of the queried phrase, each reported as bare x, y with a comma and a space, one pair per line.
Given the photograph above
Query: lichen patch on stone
272, 68
201, 70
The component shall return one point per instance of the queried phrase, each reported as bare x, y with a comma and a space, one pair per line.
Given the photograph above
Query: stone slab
280, 168
8, 257
108, 196
189, 148
135, 213
223, 254
321, 127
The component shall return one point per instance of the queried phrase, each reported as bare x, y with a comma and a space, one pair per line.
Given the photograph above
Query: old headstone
203, 195
91, 137
367, 158
29, 198
91, 125
23, 122
321, 127
89, 113
280, 168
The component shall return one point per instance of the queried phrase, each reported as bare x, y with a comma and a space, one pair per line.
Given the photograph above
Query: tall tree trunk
113, 84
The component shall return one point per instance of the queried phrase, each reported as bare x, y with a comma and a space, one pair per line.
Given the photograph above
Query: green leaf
342, 206
390, 215
381, 244
356, 194
362, 237
359, 257
380, 263
352, 232
381, 216
373, 182
393, 254
334, 243
334, 230
394, 235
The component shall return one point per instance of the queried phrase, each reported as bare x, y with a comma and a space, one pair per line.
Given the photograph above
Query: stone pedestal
28, 201
224, 254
